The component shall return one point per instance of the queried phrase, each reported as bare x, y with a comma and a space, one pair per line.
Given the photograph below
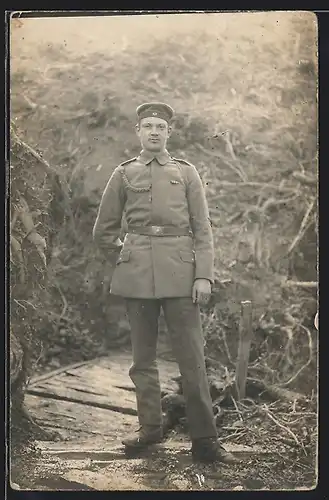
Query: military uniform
157, 192
167, 246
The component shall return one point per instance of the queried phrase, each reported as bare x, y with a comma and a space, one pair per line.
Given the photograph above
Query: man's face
153, 133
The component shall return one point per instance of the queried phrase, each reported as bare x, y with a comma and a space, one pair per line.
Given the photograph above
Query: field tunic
163, 191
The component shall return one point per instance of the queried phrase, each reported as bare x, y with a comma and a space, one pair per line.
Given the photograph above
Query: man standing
166, 260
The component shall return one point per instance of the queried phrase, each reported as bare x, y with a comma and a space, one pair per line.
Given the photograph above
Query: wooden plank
53, 373
122, 405
113, 359
54, 384
104, 372
94, 380
84, 398
80, 394
81, 417
113, 368
245, 334
78, 385
95, 374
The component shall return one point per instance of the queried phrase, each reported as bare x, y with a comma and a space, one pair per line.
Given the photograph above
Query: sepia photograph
163, 251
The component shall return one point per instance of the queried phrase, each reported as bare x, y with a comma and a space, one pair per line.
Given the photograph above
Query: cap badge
154, 113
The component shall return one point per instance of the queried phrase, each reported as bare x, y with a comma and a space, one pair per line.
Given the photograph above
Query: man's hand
201, 291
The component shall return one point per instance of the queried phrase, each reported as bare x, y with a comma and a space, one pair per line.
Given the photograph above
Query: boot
209, 450
146, 437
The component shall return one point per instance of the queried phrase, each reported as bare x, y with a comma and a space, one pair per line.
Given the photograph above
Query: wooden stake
245, 334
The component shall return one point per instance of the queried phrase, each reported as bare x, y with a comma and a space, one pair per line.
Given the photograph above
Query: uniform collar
147, 156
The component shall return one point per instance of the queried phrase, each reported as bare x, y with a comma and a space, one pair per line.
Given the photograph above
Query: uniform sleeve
200, 225
107, 227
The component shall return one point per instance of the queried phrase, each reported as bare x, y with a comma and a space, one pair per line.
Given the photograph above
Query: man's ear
169, 130
137, 128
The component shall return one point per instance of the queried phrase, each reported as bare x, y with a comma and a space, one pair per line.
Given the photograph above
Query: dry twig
300, 284
305, 179
65, 305
216, 154
310, 346
269, 414
19, 302
236, 408
303, 227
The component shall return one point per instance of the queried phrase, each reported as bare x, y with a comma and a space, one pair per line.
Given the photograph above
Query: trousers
183, 322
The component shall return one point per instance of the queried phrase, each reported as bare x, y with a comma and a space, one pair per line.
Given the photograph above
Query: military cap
158, 109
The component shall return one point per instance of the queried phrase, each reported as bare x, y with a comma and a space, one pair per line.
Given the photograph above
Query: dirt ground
165, 467
90, 408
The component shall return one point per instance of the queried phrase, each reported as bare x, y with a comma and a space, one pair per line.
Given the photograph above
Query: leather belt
160, 230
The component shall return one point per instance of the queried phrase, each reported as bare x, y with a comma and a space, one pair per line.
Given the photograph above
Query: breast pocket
175, 187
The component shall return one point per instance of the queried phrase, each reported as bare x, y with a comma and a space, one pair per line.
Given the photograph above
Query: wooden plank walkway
94, 398
92, 406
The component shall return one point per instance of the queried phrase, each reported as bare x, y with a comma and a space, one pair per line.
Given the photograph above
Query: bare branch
274, 202
19, 302
303, 227
236, 408
216, 154
310, 356
269, 414
305, 179
64, 301
235, 217
300, 284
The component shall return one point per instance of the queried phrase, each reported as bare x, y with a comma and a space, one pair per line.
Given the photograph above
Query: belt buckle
157, 230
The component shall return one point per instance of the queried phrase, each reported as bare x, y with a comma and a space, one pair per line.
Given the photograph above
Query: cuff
204, 269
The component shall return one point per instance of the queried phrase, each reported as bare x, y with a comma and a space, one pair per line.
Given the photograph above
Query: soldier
165, 260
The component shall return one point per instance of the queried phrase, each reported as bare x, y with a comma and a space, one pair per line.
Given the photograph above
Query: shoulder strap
183, 161
128, 161
180, 160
